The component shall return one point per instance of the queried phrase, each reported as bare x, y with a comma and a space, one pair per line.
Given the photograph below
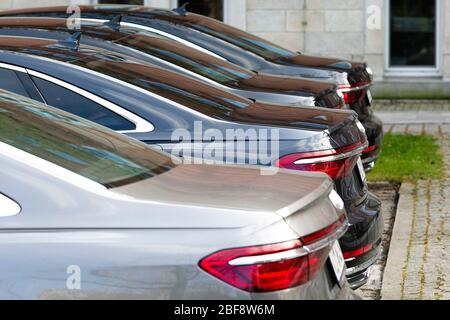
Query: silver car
86, 213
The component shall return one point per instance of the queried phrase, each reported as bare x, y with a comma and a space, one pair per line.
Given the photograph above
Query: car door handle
8, 207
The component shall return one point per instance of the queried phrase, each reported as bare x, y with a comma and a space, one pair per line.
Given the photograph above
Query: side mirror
8, 207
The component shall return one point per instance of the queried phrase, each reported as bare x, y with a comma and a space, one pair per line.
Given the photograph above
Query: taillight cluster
370, 148
275, 266
337, 163
358, 252
352, 94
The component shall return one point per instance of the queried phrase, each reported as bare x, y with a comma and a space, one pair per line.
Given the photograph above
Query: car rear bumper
358, 270
374, 131
366, 229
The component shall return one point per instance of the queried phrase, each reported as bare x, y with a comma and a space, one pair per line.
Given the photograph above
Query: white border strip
161, 33
12, 67
142, 125
170, 64
131, 86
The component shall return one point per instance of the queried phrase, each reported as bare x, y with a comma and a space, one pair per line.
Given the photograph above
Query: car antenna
114, 23
181, 10
73, 42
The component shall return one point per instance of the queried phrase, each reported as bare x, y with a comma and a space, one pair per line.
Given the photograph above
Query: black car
167, 53
245, 50
159, 107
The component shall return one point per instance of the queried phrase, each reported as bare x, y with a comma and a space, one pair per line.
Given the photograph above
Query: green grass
408, 158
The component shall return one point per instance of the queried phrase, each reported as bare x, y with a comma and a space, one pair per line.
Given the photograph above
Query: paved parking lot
418, 264
388, 194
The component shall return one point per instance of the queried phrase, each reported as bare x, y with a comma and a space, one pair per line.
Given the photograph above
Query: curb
394, 273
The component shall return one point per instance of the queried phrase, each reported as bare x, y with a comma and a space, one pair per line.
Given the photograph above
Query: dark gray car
88, 213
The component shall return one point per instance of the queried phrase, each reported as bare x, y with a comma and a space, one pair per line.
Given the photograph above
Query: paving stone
418, 264
399, 128
415, 129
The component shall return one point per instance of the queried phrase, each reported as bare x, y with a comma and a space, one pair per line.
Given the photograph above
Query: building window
210, 8
413, 35
137, 2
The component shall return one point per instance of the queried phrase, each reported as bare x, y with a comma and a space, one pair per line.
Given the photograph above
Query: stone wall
346, 29
7, 4
327, 27
446, 39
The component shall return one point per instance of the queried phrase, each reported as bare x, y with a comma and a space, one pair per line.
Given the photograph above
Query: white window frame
142, 125
414, 71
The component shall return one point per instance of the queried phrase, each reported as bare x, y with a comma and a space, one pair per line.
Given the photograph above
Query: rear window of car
192, 60
194, 94
78, 145
254, 44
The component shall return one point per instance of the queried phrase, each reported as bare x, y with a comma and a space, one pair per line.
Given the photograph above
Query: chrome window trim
268, 258
161, 33
131, 86
189, 72
338, 156
356, 88
12, 67
142, 126
49, 168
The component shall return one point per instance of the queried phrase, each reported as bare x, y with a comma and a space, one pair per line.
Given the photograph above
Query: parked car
153, 105
79, 200
167, 53
245, 50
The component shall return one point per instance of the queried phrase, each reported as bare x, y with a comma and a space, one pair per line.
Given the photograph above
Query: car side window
69, 101
10, 82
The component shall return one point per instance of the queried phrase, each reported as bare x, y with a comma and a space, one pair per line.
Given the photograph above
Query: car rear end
308, 267
280, 240
165, 236
343, 164
355, 88
358, 97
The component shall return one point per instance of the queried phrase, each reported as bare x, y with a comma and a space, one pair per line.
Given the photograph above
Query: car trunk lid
302, 199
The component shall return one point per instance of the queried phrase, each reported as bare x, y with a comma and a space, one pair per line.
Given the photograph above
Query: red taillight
357, 252
321, 234
370, 148
351, 96
335, 163
272, 267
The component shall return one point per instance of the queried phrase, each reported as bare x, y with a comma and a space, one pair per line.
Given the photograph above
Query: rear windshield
201, 63
194, 94
244, 40
76, 144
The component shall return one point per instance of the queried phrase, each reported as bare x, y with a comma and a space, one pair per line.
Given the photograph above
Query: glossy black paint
167, 53
303, 132
192, 28
187, 27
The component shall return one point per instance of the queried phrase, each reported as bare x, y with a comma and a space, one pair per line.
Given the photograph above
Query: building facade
405, 42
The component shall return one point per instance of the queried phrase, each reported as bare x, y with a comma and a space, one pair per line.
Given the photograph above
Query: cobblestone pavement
411, 105
418, 264
387, 193
413, 112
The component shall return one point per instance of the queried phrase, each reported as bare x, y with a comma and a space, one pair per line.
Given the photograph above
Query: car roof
145, 76
100, 60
